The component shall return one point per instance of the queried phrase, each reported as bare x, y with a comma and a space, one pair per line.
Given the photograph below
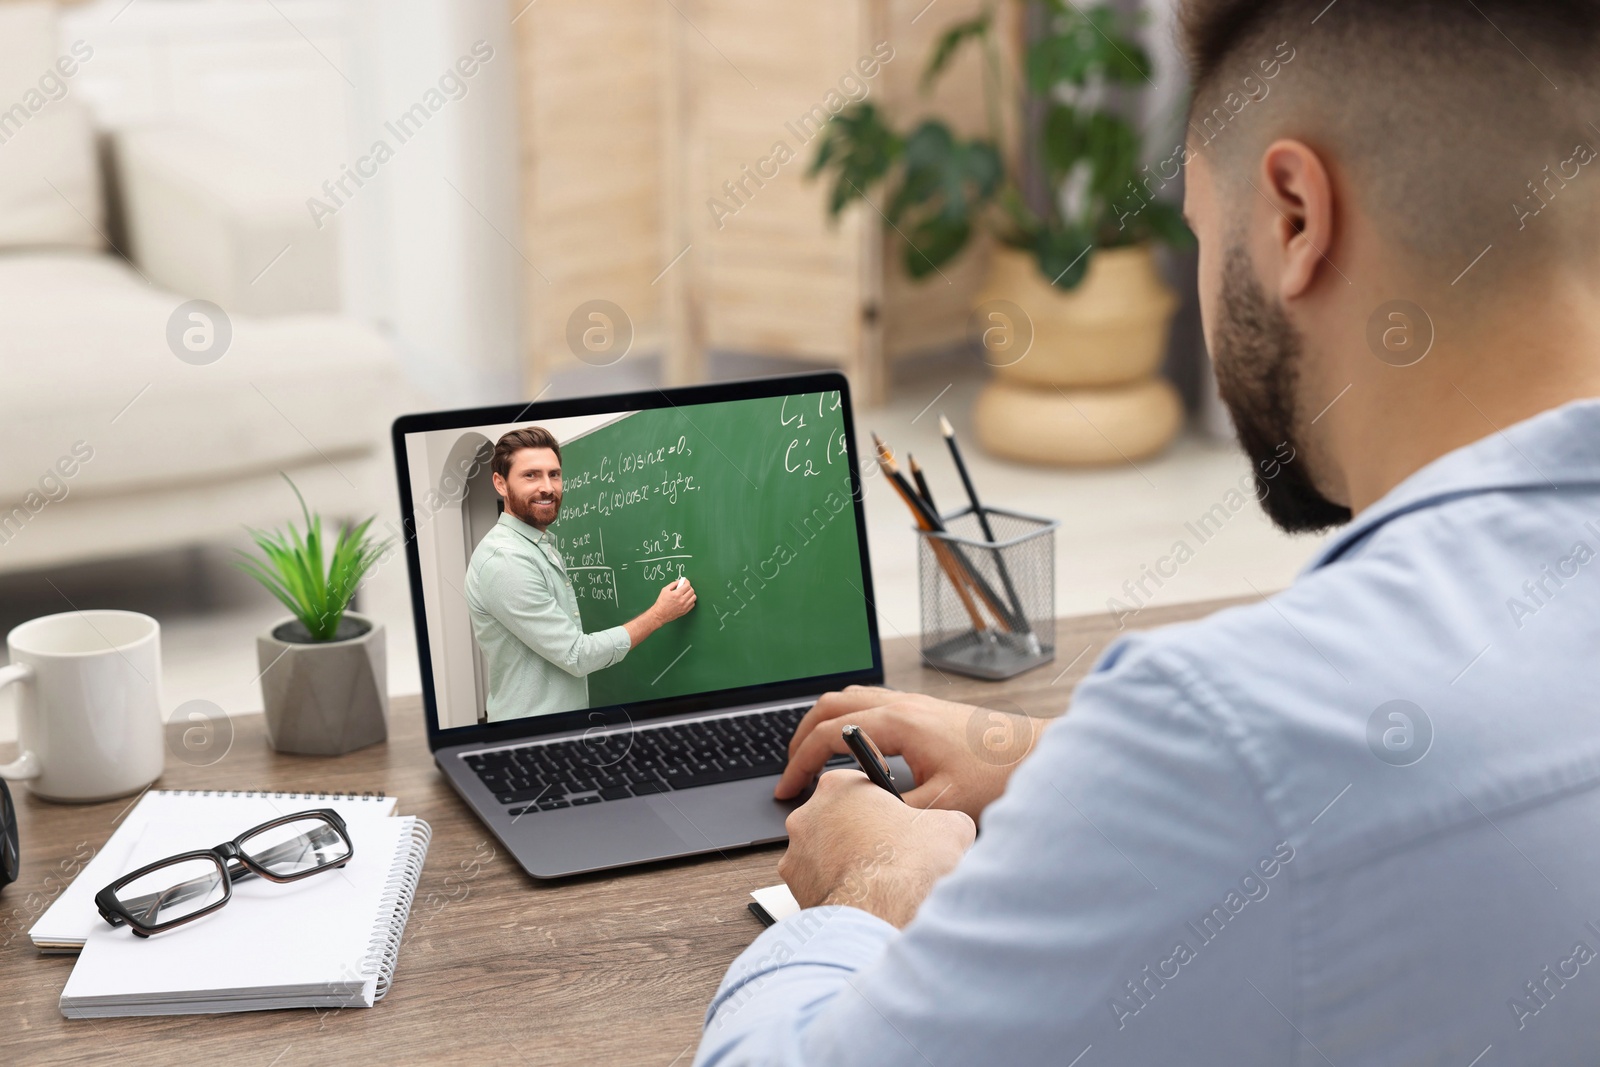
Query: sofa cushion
49, 177
86, 364
209, 219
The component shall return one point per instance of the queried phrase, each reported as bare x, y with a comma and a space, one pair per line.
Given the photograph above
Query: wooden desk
495, 968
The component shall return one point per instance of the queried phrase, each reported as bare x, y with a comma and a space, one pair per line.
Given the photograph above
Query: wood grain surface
495, 968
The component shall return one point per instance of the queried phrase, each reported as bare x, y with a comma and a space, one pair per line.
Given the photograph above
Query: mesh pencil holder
988, 608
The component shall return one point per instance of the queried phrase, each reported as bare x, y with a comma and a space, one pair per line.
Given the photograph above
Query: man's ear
1296, 183
499, 484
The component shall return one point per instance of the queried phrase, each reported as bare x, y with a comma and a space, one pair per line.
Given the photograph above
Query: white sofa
110, 444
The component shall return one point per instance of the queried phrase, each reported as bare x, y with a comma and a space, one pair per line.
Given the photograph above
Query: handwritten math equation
807, 447
631, 462
585, 556
666, 482
661, 557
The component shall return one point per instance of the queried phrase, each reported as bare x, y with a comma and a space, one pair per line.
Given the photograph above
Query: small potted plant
1076, 260
324, 684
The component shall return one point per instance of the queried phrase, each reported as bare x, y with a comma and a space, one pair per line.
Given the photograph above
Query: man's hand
855, 844
674, 601
671, 603
961, 755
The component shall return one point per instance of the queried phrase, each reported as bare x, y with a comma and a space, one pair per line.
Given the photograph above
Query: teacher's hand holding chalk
675, 600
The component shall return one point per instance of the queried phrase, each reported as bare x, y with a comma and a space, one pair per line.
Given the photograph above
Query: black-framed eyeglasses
10, 850
182, 888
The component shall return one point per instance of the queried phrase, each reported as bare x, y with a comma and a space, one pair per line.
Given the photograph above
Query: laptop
579, 750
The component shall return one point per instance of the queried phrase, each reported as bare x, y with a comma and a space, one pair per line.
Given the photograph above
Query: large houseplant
324, 682
1074, 271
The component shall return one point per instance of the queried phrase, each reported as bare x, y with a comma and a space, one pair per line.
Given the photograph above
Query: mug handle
27, 764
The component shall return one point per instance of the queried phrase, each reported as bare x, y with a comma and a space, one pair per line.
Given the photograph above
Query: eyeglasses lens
297, 847
174, 891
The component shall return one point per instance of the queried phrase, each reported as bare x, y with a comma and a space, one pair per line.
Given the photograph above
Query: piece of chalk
680, 583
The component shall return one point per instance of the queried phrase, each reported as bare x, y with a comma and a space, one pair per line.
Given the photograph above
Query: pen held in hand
871, 761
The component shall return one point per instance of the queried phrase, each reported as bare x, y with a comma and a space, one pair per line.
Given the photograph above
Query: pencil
929, 519
983, 523
942, 554
922, 483
915, 500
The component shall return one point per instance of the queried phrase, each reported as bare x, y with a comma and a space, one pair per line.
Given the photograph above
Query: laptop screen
556, 547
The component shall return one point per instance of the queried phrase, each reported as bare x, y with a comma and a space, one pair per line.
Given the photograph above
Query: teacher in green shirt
524, 610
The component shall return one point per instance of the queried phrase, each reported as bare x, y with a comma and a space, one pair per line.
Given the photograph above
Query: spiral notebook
65, 924
328, 941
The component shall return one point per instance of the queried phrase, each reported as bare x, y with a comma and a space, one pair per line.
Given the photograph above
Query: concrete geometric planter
324, 698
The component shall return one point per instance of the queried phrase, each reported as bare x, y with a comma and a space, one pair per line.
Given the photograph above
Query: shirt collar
1556, 448
532, 533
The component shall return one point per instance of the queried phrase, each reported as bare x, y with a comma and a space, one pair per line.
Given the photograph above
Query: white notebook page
65, 924
310, 937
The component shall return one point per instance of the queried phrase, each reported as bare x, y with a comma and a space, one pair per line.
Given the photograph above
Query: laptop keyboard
638, 762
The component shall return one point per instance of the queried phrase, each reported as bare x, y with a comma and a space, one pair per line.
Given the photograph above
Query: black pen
872, 763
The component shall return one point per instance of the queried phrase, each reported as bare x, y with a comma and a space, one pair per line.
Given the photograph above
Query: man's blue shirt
1353, 823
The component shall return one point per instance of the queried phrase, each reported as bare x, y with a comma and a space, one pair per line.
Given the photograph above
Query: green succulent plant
291, 567
942, 187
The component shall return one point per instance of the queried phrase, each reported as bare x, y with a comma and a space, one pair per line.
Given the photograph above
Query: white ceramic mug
89, 713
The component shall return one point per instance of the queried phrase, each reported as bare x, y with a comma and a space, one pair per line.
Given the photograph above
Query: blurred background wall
392, 205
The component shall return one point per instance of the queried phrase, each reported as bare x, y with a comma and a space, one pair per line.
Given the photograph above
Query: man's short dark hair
1455, 123
515, 441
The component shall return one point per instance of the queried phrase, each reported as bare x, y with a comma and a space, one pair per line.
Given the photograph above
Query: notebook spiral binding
272, 793
383, 951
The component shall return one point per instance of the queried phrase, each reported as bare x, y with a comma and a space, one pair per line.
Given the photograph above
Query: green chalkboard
750, 500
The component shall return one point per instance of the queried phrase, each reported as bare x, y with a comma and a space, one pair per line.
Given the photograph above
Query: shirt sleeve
520, 598
1118, 896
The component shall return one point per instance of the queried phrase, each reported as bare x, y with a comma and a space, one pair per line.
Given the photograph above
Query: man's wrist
640, 627
890, 894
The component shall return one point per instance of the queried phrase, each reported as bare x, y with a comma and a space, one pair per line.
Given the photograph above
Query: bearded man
1348, 823
524, 608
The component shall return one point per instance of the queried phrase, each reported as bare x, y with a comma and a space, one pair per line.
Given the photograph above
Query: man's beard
533, 513
1257, 355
